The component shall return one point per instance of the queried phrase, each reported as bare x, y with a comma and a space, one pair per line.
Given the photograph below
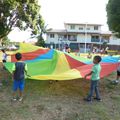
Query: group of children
20, 69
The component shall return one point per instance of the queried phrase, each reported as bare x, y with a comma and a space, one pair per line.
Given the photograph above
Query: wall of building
81, 38
86, 28
79, 33
114, 41
52, 40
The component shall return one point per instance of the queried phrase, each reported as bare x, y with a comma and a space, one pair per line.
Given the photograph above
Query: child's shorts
118, 73
18, 84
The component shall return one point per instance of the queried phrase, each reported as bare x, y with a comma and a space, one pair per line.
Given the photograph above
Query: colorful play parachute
50, 64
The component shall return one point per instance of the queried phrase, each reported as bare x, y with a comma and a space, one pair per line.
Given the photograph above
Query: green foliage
104, 44
42, 30
40, 41
23, 14
113, 16
6, 41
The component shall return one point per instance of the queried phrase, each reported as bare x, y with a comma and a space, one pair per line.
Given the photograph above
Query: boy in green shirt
95, 77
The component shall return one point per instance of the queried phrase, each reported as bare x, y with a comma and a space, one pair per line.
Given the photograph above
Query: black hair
3, 50
18, 56
98, 58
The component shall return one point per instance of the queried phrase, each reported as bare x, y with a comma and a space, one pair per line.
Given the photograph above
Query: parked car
13, 47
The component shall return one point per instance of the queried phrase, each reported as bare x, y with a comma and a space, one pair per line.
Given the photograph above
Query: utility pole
85, 35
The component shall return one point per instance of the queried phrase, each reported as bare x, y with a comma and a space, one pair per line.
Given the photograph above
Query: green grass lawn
62, 100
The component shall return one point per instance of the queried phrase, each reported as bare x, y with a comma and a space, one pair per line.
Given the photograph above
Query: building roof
64, 31
106, 32
56, 30
67, 31
82, 24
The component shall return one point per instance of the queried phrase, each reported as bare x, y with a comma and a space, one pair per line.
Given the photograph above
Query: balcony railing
95, 40
98, 40
104, 40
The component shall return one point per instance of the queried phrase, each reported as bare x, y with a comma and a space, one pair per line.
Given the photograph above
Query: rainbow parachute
50, 64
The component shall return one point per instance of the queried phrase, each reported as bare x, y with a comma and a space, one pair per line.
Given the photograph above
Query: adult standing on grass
95, 77
19, 69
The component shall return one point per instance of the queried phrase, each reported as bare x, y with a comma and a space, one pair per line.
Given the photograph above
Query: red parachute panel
74, 63
106, 69
30, 55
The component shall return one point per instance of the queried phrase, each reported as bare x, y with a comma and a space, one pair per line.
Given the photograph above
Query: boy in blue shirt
95, 77
19, 69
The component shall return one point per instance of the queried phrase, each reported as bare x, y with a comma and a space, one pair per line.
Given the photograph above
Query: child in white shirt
4, 56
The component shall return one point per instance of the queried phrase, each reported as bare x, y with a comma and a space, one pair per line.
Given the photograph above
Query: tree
104, 44
113, 16
40, 41
23, 14
6, 41
42, 30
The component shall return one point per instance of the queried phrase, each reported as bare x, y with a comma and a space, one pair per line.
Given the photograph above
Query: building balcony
95, 40
100, 41
104, 40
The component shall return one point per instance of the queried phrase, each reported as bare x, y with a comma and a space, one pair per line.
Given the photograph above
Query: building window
74, 46
72, 37
88, 28
95, 27
95, 39
72, 27
105, 38
80, 28
51, 35
65, 37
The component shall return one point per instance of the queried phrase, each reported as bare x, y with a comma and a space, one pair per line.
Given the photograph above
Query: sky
56, 12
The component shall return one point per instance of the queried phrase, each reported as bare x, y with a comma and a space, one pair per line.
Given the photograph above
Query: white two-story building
81, 36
